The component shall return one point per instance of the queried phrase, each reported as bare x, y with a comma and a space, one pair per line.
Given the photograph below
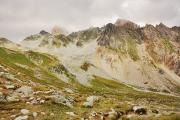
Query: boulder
140, 110
12, 98
9, 86
71, 113
34, 114
113, 115
24, 111
60, 99
21, 118
7, 75
25, 91
90, 101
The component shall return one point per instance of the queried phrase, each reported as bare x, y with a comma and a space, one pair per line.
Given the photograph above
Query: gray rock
43, 113
71, 113
25, 91
113, 115
12, 98
60, 99
52, 114
9, 86
21, 118
12, 116
90, 101
34, 114
141, 110
42, 101
24, 111
7, 75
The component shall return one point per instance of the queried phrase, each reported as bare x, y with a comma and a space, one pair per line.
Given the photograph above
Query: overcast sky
20, 18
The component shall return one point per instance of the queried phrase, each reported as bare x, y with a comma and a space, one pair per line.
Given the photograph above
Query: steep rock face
162, 45
115, 37
84, 36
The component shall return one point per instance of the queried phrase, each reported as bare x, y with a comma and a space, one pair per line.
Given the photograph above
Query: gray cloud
20, 18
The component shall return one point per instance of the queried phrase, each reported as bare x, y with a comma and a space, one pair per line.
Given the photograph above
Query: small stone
28, 103
38, 99
31, 98
22, 118
34, 114
9, 86
24, 111
13, 116
68, 90
139, 110
43, 113
12, 98
155, 111
93, 114
34, 101
70, 113
113, 115
42, 101
52, 114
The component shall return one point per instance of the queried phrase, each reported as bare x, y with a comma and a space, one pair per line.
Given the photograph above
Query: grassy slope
112, 94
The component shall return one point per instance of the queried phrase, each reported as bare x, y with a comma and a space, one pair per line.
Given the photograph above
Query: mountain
8, 44
118, 71
122, 51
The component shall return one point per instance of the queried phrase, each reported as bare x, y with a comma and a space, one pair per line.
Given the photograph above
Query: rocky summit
119, 71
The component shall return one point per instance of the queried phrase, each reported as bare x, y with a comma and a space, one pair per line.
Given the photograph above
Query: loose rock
70, 113
68, 101
22, 118
24, 111
25, 91
90, 101
139, 110
34, 114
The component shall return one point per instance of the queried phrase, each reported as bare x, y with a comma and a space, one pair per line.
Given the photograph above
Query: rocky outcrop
61, 99
84, 36
126, 23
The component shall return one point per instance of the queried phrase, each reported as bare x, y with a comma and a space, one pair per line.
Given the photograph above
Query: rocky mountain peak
4, 40
161, 25
110, 28
126, 24
43, 32
56, 30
